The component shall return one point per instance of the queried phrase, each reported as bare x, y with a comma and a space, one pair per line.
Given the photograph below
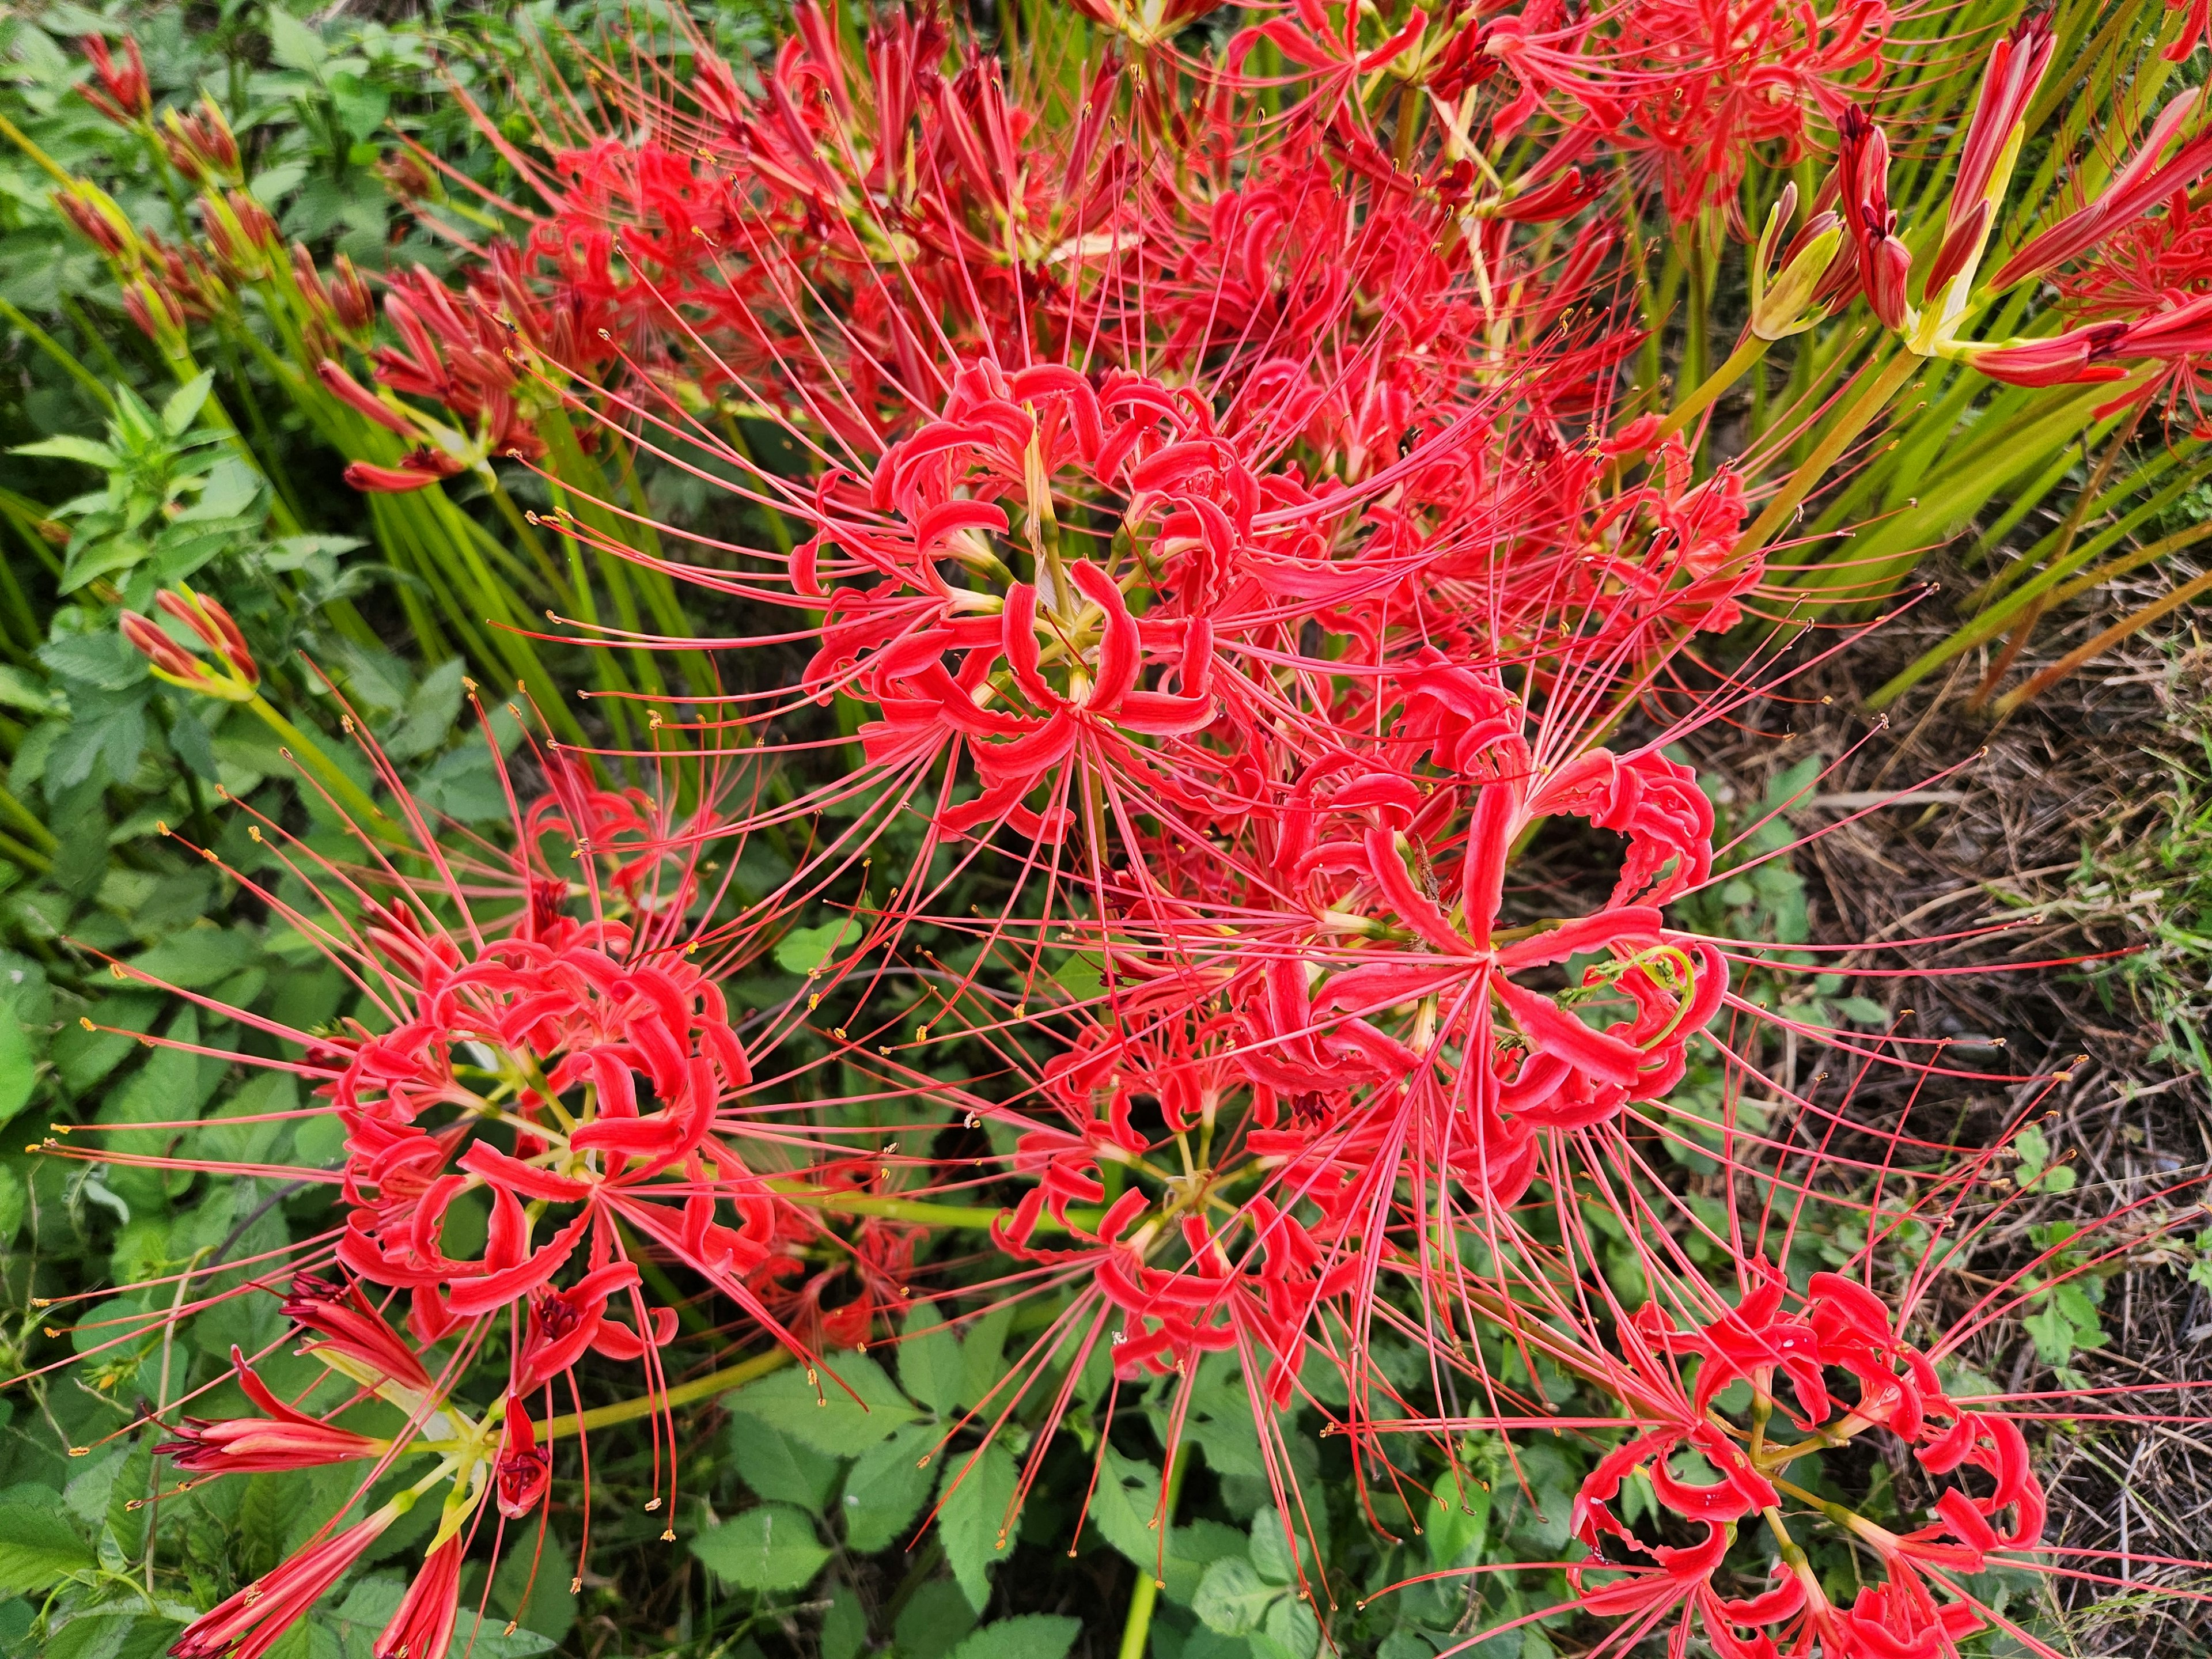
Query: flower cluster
1215, 506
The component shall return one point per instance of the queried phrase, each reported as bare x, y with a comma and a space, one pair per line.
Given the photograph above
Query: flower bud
416, 469
245, 238
208, 619
201, 145
123, 95
1792, 300
232, 680
358, 398
350, 297
157, 314
98, 220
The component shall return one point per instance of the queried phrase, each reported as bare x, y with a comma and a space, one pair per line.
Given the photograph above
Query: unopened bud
98, 220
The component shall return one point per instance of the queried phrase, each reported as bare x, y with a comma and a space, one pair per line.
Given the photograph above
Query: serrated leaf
432, 712
778, 1467
1272, 1553
971, 1510
186, 402
196, 957
292, 43
886, 1487
1028, 1636
360, 105
64, 447
773, 1547
982, 1362
1291, 1625
1232, 1598
929, 1366
38, 1549
829, 1421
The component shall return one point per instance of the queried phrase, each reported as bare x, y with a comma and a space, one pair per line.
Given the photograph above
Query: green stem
684, 1394
1860, 414
906, 1209
1738, 364
364, 811
1136, 1630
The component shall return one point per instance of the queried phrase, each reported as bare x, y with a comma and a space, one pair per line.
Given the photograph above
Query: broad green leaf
196, 957
929, 1366
18, 1066
111, 1632
1272, 1552
1232, 1598
1291, 1626
1455, 1520
779, 1467
361, 104
845, 1627
931, 1623
886, 1487
1029, 1636
292, 43
11, 1206
971, 1517
804, 949
773, 1547
38, 1549
821, 1413
982, 1363
185, 403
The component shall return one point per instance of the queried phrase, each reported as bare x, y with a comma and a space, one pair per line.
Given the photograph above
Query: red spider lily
1862, 173
424, 1625
418, 468
123, 95
282, 1439
2146, 179
254, 1619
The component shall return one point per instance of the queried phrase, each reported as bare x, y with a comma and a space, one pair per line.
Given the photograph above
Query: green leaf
198, 957
773, 1547
1291, 1626
38, 1549
2054, 1335
982, 1362
432, 714
1232, 1598
886, 1487
11, 1206
971, 1512
933, 1621
845, 1627
1271, 1552
1030, 1636
20, 690
929, 1366
67, 448
19, 1066
804, 949
186, 402
112, 1633
292, 43
2033, 1149
829, 1420
1455, 1522
360, 105
778, 1467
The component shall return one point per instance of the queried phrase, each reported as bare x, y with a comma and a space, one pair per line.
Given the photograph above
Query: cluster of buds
242, 235
201, 145
233, 676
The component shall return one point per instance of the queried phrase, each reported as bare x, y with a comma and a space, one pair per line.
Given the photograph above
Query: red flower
123, 94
